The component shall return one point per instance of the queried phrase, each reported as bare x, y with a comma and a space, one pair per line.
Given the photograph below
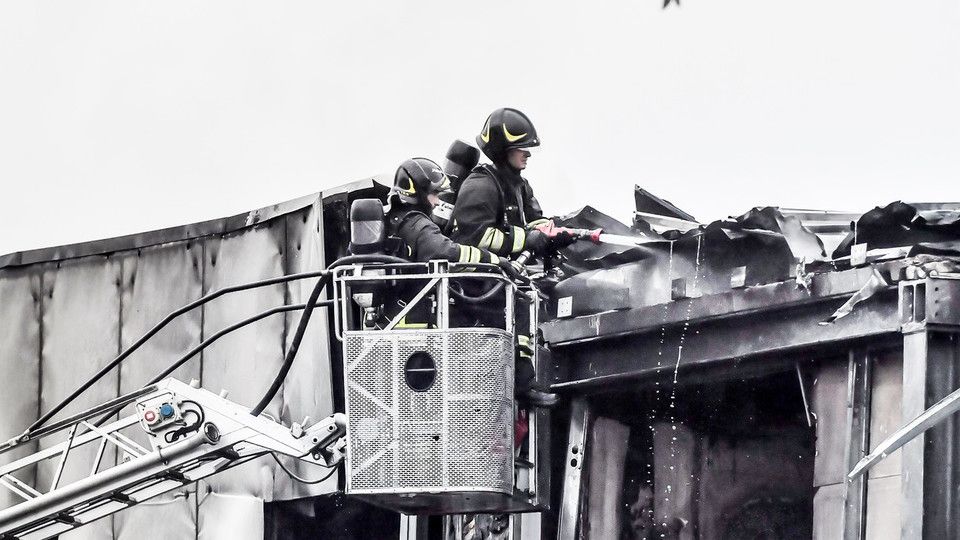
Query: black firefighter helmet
416, 178
506, 129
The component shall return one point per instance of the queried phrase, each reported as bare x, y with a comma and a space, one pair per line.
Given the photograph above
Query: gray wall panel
230, 517
158, 519
246, 361
80, 328
607, 455
81, 310
883, 508
885, 409
19, 365
676, 475
828, 512
883, 484
98, 530
829, 398
156, 281
307, 389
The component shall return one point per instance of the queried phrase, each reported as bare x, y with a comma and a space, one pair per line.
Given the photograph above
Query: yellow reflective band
536, 222
510, 136
497, 242
494, 259
519, 235
487, 238
464, 253
475, 254
523, 343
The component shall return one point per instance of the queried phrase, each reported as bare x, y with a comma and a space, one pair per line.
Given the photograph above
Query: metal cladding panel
885, 411
245, 362
307, 390
676, 478
830, 405
19, 365
229, 517
607, 455
884, 480
883, 508
158, 519
98, 530
828, 512
80, 335
156, 281
81, 308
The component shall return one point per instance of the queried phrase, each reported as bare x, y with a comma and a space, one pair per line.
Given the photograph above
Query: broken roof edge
769, 297
178, 233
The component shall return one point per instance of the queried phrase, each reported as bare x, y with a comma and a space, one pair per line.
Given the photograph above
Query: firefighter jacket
495, 210
423, 241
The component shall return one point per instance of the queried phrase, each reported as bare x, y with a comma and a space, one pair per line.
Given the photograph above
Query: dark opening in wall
723, 460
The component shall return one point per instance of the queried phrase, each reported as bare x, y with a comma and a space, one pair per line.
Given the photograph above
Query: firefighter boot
526, 388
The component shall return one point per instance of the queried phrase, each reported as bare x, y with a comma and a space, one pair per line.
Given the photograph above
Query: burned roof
767, 261
761, 246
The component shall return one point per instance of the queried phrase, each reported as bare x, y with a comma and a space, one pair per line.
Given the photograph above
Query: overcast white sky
124, 116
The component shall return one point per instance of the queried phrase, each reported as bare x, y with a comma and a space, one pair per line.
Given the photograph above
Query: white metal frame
437, 276
228, 436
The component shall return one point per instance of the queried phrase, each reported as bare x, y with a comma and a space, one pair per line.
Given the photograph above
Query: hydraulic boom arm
191, 433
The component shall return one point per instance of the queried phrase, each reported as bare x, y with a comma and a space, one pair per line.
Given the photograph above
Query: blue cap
166, 410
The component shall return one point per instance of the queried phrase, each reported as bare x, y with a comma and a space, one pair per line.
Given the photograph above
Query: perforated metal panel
454, 436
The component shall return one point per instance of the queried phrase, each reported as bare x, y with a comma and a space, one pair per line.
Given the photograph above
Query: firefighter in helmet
416, 189
417, 185
496, 208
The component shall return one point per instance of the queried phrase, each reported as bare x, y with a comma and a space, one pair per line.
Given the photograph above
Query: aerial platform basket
430, 407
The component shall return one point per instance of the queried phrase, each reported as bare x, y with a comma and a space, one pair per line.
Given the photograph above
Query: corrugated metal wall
63, 320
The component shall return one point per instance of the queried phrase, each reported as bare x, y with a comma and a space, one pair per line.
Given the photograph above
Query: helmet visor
529, 149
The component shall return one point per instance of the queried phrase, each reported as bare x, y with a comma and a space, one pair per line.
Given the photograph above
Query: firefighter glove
512, 269
537, 242
562, 239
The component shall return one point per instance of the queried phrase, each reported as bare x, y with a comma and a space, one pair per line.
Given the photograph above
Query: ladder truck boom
192, 433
